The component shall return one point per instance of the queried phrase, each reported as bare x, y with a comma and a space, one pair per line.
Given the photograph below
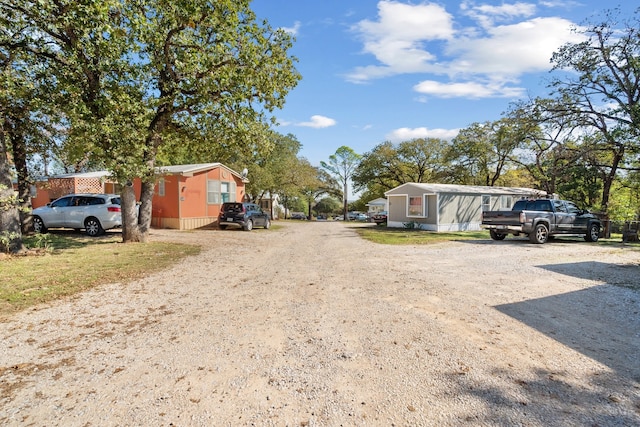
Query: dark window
61, 203
95, 201
559, 205
533, 205
543, 205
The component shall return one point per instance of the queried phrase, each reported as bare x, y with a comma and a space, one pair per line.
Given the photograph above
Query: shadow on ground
603, 327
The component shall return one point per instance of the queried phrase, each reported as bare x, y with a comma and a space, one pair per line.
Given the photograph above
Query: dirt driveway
309, 325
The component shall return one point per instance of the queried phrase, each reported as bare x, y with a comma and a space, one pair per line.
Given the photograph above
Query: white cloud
406, 134
473, 90
293, 30
318, 122
508, 51
483, 60
397, 38
283, 122
486, 15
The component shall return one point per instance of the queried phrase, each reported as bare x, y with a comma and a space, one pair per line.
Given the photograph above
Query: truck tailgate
501, 218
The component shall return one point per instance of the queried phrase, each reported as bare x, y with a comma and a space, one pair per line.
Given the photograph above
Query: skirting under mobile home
447, 207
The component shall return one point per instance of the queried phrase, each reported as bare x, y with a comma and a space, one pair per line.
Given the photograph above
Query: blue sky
375, 71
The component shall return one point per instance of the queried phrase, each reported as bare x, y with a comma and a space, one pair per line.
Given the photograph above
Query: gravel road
307, 324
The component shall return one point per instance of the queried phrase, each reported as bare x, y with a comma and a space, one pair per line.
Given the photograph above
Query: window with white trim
486, 203
416, 206
219, 192
506, 202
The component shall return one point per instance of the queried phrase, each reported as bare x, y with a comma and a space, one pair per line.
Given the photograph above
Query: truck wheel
540, 234
593, 233
496, 236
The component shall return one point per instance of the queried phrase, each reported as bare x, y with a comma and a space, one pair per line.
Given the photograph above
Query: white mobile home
447, 207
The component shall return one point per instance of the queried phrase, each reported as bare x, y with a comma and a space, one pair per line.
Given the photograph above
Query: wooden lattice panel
88, 185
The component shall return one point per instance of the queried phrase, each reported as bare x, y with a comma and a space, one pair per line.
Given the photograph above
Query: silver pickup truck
541, 218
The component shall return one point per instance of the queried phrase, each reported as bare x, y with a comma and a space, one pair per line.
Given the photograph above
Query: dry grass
74, 263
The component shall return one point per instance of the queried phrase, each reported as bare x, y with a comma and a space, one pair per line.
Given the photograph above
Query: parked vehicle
362, 217
380, 217
94, 213
353, 215
298, 215
540, 219
245, 215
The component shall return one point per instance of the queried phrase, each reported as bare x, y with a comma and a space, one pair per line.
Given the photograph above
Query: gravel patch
309, 325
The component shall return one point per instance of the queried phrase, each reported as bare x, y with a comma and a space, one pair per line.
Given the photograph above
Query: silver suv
94, 213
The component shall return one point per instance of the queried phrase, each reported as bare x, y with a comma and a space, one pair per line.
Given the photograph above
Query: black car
245, 215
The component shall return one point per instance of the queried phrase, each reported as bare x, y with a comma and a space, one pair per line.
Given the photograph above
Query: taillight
114, 209
523, 217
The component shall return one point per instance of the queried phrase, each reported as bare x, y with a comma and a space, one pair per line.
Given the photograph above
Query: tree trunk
609, 178
9, 213
19, 149
345, 206
136, 219
130, 228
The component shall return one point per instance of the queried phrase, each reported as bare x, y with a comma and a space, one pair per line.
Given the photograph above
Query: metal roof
173, 169
95, 174
466, 189
193, 168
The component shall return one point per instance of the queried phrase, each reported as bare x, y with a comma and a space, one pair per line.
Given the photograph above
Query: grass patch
402, 236
75, 263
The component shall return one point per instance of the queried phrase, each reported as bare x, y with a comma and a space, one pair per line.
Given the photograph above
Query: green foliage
274, 171
41, 241
341, 167
328, 205
342, 164
389, 165
8, 199
481, 153
7, 240
625, 203
602, 94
